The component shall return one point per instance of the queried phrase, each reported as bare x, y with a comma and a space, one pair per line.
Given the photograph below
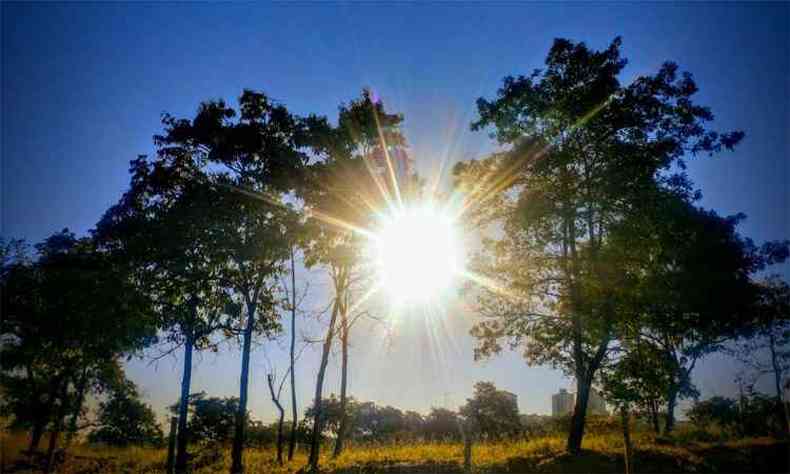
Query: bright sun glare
417, 251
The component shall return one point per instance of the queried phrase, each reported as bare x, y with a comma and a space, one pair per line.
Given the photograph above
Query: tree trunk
583, 385
82, 385
341, 432
42, 418
625, 419
183, 404
171, 445
672, 400
319, 387
276, 400
53, 443
292, 440
36, 434
237, 461
466, 436
57, 429
777, 369
653, 407
280, 436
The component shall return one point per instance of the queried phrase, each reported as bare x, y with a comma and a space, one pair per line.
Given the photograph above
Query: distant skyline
84, 85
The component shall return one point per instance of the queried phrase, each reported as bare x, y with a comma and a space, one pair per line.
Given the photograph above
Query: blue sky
83, 87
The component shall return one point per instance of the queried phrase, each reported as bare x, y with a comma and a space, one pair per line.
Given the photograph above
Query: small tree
716, 410
441, 424
493, 412
125, 420
769, 334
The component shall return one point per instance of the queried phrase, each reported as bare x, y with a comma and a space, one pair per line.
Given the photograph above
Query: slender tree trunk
276, 400
341, 432
292, 440
82, 385
171, 445
182, 436
53, 444
42, 418
319, 387
237, 461
625, 419
36, 434
653, 407
466, 436
672, 400
280, 437
57, 429
777, 369
583, 385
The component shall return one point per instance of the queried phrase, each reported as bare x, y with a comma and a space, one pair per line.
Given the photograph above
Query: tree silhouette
769, 333
582, 151
494, 413
69, 315
255, 160
341, 194
689, 284
123, 420
159, 227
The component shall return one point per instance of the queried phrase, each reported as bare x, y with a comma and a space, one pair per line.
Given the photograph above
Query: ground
601, 454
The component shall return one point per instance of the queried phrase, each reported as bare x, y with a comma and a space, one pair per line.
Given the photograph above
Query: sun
417, 253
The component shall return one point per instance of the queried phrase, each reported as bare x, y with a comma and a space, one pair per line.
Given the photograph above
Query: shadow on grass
773, 457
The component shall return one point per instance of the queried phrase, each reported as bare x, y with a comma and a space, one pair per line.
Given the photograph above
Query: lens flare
418, 254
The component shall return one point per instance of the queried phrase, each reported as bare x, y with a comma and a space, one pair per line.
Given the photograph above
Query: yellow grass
601, 453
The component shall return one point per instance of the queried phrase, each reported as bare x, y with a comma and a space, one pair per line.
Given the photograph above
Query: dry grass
601, 453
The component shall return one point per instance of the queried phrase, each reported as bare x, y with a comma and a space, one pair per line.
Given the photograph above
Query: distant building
512, 399
562, 403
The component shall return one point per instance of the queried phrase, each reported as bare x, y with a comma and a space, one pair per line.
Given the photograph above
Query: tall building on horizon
562, 403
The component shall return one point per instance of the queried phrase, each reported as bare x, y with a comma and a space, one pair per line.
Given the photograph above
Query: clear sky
83, 87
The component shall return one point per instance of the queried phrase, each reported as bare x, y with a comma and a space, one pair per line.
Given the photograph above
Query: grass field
602, 454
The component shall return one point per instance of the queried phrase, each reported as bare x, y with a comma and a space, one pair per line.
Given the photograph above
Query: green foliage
587, 161
719, 410
69, 315
493, 413
125, 420
754, 415
369, 422
764, 345
442, 424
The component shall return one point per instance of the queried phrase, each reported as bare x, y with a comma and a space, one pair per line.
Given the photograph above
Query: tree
441, 424
211, 418
159, 228
719, 410
355, 168
270, 380
690, 284
493, 412
332, 414
582, 152
68, 317
258, 157
292, 369
769, 333
125, 420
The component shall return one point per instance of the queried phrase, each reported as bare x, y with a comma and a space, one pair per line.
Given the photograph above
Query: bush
125, 420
